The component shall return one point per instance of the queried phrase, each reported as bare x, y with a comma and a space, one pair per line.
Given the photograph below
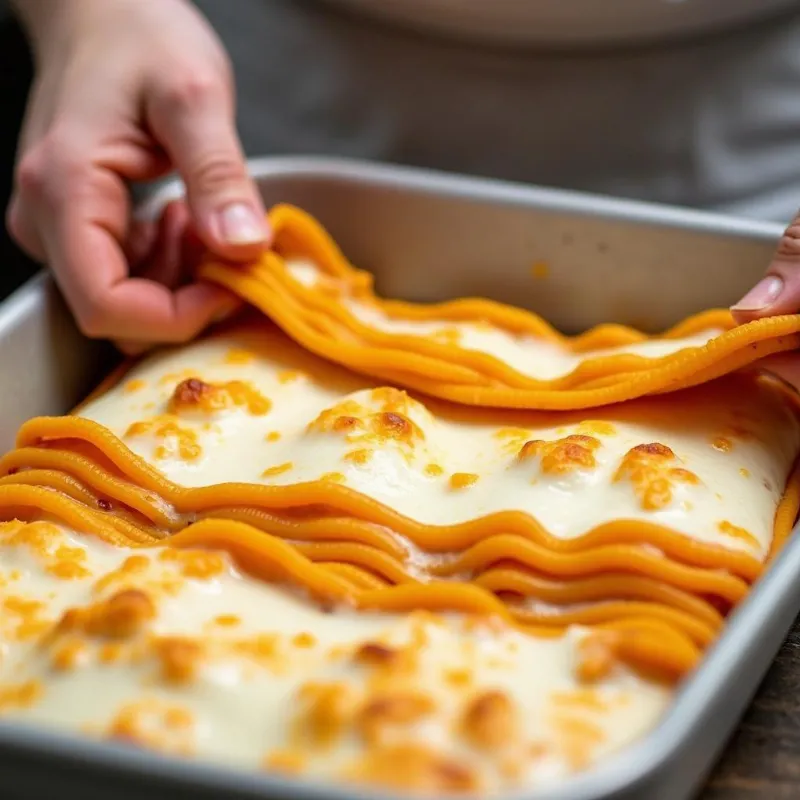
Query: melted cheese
711, 463
476, 352
178, 652
239, 550
534, 356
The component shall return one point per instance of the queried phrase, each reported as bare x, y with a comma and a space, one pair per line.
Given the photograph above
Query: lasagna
422, 548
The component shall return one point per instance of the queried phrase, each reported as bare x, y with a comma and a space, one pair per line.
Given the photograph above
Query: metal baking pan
428, 236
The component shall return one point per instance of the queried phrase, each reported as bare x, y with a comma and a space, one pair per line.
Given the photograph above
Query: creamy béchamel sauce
180, 651
710, 463
175, 650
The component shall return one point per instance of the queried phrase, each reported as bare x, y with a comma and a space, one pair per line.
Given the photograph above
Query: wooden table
762, 761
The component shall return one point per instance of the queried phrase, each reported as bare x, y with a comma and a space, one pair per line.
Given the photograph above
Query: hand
778, 292
127, 91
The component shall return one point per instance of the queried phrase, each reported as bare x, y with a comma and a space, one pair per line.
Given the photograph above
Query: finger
194, 251
785, 366
193, 119
132, 349
145, 311
82, 229
139, 245
163, 260
133, 157
174, 251
21, 226
778, 292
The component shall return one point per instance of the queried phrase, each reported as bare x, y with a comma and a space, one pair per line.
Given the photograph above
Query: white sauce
741, 486
238, 709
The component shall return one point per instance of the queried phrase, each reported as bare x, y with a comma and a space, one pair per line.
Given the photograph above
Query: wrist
52, 25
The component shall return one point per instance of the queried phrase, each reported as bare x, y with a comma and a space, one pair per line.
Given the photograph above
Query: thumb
194, 123
778, 292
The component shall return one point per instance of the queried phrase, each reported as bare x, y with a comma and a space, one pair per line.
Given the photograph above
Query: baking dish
577, 260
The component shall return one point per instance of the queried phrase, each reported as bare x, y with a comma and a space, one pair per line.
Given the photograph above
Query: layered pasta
276, 548
474, 351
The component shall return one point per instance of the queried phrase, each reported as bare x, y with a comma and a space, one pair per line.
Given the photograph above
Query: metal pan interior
575, 259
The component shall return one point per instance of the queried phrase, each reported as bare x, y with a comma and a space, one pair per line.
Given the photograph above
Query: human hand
778, 292
127, 91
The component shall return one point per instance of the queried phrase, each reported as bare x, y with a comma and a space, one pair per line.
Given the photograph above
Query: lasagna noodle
441, 476
670, 638
169, 648
477, 352
628, 574
244, 524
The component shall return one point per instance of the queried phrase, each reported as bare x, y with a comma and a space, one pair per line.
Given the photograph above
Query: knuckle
217, 171
32, 172
53, 168
192, 91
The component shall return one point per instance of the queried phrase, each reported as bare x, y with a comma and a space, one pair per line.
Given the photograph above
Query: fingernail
241, 224
762, 295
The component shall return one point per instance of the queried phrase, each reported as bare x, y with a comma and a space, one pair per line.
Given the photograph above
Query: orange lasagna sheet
440, 549
619, 520
474, 351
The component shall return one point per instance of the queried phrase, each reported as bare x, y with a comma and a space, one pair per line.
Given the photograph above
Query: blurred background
16, 70
710, 120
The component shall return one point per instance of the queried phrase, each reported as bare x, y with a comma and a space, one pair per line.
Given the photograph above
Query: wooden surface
762, 760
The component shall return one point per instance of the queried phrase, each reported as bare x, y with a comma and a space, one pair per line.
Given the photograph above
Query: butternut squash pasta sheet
270, 549
474, 351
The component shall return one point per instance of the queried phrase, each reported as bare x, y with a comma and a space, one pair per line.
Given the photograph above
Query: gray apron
711, 122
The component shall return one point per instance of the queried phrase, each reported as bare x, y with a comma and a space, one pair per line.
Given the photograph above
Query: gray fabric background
567, 22
713, 122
